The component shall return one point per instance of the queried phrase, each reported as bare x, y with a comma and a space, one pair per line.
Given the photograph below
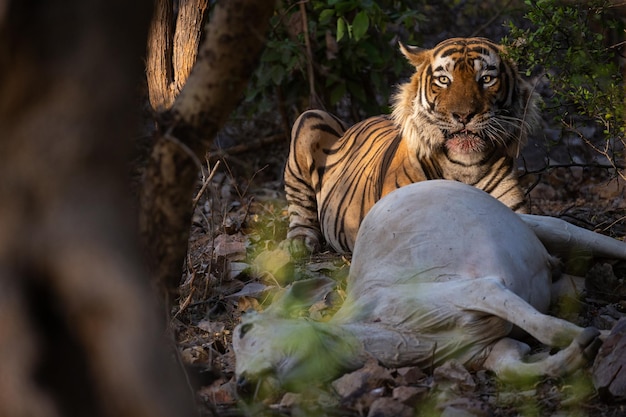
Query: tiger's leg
313, 131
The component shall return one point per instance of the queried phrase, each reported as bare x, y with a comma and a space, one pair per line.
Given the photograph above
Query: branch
572, 165
309, 57
169, 62
159, 57
234, 40
189, 24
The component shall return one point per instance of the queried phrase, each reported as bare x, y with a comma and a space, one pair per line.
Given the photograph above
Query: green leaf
343, 7
341, 28
372, 53
360, 24
277, 74
357, 91
271, 54
337, 93
326, 15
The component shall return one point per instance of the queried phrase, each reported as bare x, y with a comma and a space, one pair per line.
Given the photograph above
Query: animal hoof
589, 342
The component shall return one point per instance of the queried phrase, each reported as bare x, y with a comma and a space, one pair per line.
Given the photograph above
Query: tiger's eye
486, 79
443, 79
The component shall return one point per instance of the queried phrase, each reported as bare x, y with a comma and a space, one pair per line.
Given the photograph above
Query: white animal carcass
440, 270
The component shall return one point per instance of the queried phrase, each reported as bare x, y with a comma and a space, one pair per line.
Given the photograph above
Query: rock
461, 407
409, 395
609, 368
409, 375
456, 412
453, 376
388, 407
362, 380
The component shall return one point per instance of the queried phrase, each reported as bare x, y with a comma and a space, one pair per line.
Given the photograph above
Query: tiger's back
354, 166
334, 176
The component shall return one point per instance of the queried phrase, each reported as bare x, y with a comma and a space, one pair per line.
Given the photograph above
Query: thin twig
493, 18
192, 289
247, 147
614, 223
205, 184
168, 136
572, 165
309, 58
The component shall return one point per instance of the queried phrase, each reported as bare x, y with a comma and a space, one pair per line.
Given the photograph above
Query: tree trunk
171, 56
79, 330
226, 58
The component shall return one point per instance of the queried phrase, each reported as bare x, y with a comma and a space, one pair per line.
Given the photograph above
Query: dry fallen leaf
194, 355
213, 327
365, 379
231, 247
252, 289
219, 393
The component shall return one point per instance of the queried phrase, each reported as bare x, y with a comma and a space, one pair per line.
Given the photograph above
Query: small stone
388, 407
409, 375
367, 378
409, 395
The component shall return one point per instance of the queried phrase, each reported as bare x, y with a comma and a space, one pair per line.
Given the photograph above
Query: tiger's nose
463, 117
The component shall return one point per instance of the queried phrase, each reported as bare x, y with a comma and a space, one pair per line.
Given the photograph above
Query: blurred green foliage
576, 46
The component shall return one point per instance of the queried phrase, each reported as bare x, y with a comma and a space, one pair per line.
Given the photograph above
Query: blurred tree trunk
79, 330
188, 122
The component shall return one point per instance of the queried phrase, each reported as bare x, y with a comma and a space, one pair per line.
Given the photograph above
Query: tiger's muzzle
465, 142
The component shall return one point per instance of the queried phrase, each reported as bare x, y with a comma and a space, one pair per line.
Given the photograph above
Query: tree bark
79, 329
172, 53
233, 42
159, 57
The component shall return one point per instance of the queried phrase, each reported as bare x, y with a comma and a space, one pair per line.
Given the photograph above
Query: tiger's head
466, 97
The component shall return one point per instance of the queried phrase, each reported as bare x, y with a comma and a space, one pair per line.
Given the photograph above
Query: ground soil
232, 267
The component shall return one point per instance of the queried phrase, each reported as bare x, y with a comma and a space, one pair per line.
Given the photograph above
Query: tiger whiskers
511, 127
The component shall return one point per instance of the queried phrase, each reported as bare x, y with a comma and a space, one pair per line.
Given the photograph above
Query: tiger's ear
414, 54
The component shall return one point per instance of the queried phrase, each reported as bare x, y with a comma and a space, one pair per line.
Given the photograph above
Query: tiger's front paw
301, 246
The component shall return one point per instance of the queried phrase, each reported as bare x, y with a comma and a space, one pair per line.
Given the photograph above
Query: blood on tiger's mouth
465, 142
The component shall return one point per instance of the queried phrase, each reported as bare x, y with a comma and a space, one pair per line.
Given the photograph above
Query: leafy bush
575, 45
350, 62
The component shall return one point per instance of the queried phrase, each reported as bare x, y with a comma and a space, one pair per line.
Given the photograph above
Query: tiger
463, 115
